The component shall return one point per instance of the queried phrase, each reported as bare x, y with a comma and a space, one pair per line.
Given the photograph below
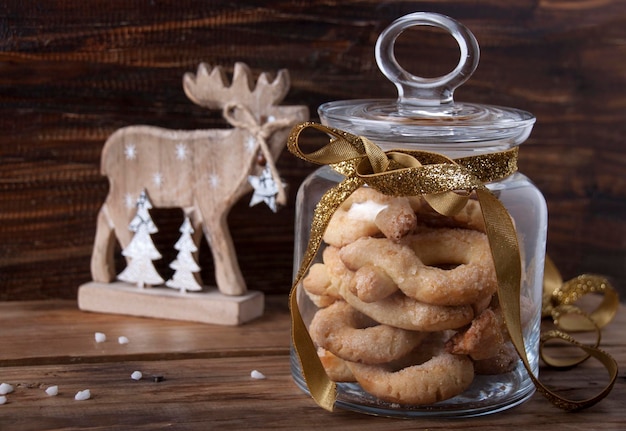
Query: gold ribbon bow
446, 185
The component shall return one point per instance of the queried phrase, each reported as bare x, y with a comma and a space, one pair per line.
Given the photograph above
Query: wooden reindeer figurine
204, 172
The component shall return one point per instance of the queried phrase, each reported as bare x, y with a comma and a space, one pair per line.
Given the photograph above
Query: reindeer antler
210, 88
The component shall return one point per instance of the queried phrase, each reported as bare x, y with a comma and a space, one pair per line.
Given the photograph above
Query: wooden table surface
207, 382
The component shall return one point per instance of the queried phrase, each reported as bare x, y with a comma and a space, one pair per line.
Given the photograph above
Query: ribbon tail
507, 260
322, 389
590, 351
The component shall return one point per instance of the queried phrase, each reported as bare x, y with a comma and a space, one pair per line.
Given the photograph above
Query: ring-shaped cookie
438, 266
503, 362
469, 217
352, 336
487, 333
440, 377
367, 212
336, 368
482, 340
403, 312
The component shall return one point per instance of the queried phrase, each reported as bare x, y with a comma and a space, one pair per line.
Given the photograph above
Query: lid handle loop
415, 91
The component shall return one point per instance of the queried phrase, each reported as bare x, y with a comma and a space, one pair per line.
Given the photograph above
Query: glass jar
425, 117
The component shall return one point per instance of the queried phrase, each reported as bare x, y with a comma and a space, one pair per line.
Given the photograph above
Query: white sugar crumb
5, 388
136, 375
366, 211
52, 391
257, 375
3, 399
100, 337
82, 395
122, 340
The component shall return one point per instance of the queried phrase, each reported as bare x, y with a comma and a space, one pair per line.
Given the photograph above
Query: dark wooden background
72, 72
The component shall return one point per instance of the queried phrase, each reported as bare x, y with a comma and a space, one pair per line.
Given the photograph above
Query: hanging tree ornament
268, 187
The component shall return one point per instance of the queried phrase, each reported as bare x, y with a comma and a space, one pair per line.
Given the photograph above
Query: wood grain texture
209, 306
207, 382
69, 334
71, 73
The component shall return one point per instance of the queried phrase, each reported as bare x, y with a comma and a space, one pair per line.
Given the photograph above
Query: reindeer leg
102, 262
227, 273
112, 224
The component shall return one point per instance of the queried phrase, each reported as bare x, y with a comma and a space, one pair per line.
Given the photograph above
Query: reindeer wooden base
206, 307
203, 172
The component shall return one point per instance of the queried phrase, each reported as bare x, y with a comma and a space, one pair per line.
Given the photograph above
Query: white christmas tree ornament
185, 265
141, 251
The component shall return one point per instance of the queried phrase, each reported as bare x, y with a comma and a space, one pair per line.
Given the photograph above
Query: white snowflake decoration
129, 201
130, 151
214, 180
250, 144
157, 179
182, 152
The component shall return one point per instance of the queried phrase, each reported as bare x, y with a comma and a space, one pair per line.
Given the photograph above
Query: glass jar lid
425, 113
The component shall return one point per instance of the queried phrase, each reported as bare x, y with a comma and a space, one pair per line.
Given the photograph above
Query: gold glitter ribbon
559, 300
446, 185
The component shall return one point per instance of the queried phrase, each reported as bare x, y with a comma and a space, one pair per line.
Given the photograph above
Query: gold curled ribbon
559, 300
445, 184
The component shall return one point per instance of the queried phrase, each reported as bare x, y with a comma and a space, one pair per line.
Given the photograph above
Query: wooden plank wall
72, 72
